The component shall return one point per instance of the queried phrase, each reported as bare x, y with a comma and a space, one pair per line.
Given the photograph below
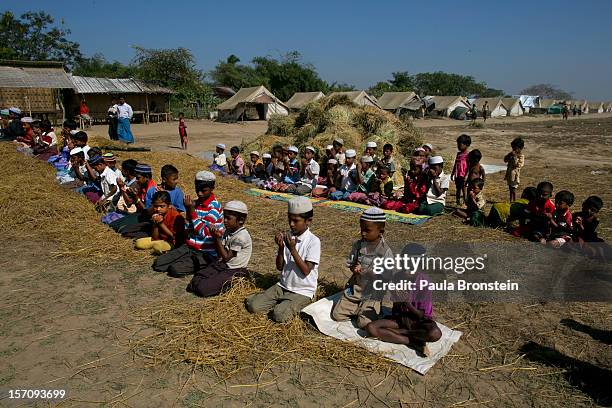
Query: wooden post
147, 108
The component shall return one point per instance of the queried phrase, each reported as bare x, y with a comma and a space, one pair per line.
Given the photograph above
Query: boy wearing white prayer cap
201, 216
234, 248
348, 180
354, 302
309, 174
438, 183
297, 258
219, 159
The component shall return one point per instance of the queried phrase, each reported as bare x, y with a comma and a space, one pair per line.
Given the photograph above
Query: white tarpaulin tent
496, 107
528, 101
256, 103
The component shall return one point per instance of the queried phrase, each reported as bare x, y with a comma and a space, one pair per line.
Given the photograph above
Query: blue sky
509, 44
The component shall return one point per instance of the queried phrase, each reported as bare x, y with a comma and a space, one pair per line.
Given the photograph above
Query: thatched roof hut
33, 86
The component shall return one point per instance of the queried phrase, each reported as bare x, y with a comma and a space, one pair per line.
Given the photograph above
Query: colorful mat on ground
347, 206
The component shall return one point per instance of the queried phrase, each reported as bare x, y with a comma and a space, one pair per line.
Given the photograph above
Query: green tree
35, 37
401, 82
442, 83
546, 91
231, 74
98, 66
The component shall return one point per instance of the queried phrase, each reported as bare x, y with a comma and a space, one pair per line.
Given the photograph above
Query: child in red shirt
561, 221
415, 188
540, 212
183, 131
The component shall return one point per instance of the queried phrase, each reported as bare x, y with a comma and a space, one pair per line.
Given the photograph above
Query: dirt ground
68, 323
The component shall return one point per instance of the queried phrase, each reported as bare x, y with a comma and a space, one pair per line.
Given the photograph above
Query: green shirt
366, 181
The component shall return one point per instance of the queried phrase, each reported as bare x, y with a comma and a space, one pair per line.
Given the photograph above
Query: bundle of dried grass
281, 125
234, 341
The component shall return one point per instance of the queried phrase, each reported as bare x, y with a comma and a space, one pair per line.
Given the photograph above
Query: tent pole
147, 108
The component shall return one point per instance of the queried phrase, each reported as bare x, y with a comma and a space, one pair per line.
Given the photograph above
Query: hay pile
319, 122
220, 334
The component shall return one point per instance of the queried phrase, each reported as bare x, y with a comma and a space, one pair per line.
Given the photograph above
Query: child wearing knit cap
354, 302
297, 259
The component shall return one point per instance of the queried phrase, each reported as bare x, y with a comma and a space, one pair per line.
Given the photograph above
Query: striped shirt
207, 213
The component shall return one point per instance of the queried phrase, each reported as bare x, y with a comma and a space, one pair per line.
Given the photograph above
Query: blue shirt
176, 197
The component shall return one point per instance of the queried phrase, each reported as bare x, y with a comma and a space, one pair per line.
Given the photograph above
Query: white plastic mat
321, 313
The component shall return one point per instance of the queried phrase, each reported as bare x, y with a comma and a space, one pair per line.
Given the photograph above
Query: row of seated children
340, 176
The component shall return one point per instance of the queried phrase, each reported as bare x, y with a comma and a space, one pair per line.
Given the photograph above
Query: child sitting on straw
108, 183
167, 226
169, 183
411, 321
202, 215
111, 161
256, 168
292, 166
387, 159
415, 188
123, 202
585, 236
145, 187
516, 161
219, 159
77, 171
438, 183
299, 252
275, 170
327, 183
236, 165
475, 203
365, 179
539, 213
234, 247
347, 178
308, 174
561, 222
354, 301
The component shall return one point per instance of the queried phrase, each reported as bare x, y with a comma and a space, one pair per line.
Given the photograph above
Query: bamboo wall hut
35, 87
147, 100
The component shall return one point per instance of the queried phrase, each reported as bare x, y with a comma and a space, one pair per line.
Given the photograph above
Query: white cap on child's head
371, 144
299, 205
312, 149
332, 161
267, 156
428, 145
236, 206
350, 153
373, 214
27, 119
436, 160
221, 146
205, 175
367, 159
255, 152
76, 150
293, 149
339, 140
329, 147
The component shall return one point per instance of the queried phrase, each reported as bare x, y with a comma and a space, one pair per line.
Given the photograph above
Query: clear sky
509, 44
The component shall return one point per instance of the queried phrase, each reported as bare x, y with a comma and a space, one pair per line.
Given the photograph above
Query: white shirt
108, 179
241, 242
444, 181
125, 111
119, 175
310, 173
309, 248
341, 157
347, 183
85, 150
220, 160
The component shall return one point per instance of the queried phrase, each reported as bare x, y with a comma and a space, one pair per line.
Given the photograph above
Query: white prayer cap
373, 214
221, 146
367, 159
255, 152
74, 132
76, 150
299, 205
267, 156
205, 175
332, 161
293, 149
339, 140
236, 206
27, 119
371, 144
312, 149
350, 153
329, 147
436, 160
15, 110
429, 145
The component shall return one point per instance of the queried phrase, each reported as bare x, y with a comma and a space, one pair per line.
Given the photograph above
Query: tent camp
543, 106
360, 98
445, 105
396, 102
580, 105
608, 107
496, 107
299, 99
514, 106
595, 107
256, 103
528, 101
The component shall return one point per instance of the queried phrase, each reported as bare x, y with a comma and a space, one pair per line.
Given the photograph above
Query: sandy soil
68, 323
